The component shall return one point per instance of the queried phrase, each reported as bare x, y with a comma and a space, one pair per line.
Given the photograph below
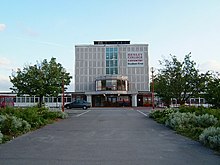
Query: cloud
30, 32
2, 27
51, 44
4, 78
44, 42
5, 83
6, 66
27, 31
5, 63
210, 65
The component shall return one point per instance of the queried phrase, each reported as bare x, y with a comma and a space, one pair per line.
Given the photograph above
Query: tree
160, 87
41, 79
179, 80
212, 95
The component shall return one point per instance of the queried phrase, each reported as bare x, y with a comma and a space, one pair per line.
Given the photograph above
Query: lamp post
152, 87
62, 95
63, 71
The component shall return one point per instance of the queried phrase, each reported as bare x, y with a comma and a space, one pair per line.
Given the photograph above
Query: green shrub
35, 116
201, 111
192, 109
211, 137
161, 115
189, 124
62, 115
1, 137
11, 125
15, 121
32, 116
2, 119
206, 120
179, 120
51, 115
191, 132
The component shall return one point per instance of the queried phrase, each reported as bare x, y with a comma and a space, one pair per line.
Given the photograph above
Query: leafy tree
180, 80
160, 86
212, 95
41, 79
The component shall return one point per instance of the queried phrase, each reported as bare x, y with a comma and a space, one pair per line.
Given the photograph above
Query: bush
201, 111
29, 114
206, 120
182, 120
179, 120
211, 137
1, 137
161, 115
189, 124
62, 115
11, 125
15, 121
35, 116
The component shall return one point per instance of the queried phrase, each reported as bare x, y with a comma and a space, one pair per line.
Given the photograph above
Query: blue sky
33, 30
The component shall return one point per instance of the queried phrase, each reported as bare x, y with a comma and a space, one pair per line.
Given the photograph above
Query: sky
34, 30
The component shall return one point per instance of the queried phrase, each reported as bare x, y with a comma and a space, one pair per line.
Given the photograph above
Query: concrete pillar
89, 98
134, 100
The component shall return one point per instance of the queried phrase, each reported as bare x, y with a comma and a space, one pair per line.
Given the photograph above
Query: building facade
113, 73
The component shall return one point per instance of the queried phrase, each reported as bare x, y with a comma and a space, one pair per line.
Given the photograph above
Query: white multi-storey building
112, 73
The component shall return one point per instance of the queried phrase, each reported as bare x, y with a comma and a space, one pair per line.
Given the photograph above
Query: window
46, 99
111, 85
98, 86
36, 99
107, 71
69, 99
111, 60
55, 99
50, 99
27, 99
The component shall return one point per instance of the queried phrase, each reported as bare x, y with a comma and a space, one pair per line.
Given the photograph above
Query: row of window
111, 60
121, 48
115, 85
112, 70
100, 71
84, 87
36, 99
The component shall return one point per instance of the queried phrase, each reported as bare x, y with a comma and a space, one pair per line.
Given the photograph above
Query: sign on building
135, 59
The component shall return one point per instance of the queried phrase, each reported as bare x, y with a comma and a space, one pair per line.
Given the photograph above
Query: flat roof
110, 42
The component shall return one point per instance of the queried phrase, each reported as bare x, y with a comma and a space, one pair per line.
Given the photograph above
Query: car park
78, 104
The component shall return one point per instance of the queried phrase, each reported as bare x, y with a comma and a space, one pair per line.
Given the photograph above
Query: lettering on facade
135, 59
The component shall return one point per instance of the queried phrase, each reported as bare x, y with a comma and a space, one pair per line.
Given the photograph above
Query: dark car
78, 104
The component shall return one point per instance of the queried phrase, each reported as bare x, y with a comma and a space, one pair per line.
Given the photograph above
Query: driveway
121, 136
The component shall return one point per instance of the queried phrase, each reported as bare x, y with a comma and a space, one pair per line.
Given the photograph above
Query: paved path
105, 137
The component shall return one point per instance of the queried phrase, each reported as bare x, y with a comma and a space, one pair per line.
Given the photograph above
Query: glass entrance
111, 100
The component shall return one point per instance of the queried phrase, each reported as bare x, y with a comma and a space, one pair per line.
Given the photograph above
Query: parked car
78, 104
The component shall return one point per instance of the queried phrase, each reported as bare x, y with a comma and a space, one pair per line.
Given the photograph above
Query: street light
62, 95
152, 87
63, 71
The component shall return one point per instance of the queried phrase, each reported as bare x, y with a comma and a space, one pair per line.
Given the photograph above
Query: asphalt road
106, 137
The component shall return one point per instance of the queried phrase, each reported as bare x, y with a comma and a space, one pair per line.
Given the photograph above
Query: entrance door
140, 100
112, 101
